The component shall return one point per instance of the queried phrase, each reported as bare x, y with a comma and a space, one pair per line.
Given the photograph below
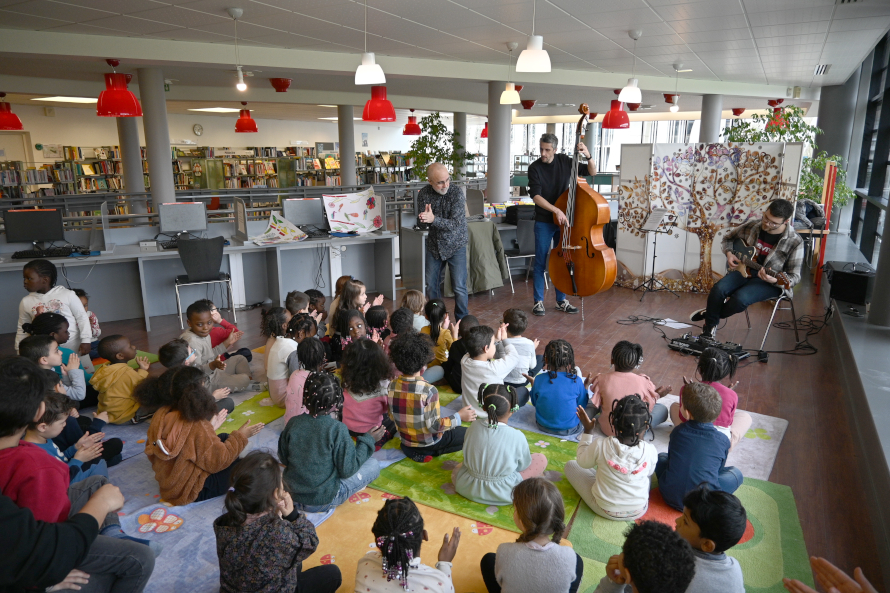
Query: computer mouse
85, 252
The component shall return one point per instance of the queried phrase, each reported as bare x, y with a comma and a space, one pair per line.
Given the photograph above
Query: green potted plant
436, 145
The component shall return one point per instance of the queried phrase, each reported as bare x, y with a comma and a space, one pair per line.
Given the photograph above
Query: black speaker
851, 283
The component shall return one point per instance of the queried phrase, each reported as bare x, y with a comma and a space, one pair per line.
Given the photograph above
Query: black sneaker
709, 333
566, 307
698, 315
539, 309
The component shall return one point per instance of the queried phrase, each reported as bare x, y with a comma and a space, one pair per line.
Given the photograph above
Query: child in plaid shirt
414, 403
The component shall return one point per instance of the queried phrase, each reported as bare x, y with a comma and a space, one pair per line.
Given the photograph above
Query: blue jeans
435, 278
545, 234
728, 480
367, 473
742, 292
433, 374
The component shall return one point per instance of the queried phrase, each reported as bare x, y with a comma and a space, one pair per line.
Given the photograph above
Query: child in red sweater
218, 335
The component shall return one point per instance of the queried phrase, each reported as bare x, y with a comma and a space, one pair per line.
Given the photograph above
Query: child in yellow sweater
116, 380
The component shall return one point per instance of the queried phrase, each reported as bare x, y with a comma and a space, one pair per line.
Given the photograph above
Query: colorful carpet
772, 547
258, 408
430, 483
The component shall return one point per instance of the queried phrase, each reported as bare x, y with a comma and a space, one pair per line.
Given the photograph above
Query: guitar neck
752, 265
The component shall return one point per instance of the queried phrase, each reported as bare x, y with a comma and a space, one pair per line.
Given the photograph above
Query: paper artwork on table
360, 212
279, 231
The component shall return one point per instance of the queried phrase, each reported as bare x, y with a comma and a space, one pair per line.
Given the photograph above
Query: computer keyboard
173, 244
313, 231
37, 253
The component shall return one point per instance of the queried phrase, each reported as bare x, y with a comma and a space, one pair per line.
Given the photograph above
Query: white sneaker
539, 309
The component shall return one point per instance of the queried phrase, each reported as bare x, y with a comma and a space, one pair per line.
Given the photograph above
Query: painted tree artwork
712, 188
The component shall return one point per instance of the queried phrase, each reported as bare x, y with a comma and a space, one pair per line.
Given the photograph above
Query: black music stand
655, 223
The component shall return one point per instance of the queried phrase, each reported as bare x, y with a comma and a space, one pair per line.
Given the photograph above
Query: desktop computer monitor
179, 217
301, 211
33, 226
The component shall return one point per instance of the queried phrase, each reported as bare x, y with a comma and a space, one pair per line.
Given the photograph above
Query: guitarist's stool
776, 302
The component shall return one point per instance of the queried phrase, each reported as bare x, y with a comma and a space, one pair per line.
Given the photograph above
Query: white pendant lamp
675, 100
236, 13
534, 58
369, 72
510, 96
631, 93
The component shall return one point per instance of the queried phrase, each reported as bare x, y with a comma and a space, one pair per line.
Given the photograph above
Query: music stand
660, 222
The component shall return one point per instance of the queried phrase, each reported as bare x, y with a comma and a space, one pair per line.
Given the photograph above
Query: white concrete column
711, 114
460, 128
346, 128
157, 136
499, 122
131, 160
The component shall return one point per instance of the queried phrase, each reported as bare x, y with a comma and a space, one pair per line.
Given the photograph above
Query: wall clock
198, 129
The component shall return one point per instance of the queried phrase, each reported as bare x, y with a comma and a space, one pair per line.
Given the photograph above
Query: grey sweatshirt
713, 572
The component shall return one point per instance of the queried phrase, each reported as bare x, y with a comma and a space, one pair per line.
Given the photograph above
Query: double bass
582, 264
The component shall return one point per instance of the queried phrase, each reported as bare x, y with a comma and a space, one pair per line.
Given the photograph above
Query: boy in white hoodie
479, 367
612, 474
45, 297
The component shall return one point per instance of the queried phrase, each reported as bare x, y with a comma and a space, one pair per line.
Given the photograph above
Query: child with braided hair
395, 565
608, 387
496, 456
262, 540
558, 390
612, 474
536, 561
300, 327
278, 348
323, 467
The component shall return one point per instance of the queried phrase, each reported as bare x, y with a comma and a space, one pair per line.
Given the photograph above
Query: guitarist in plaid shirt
777, 247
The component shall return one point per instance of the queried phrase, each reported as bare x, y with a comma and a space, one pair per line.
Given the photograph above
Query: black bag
520, 212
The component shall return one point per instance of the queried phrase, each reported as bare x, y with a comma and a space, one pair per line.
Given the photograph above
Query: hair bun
27, 328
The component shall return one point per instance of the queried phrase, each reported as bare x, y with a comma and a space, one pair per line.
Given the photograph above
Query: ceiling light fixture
510, 96
534, 58
280, 84
616, 118
737, 111
369, 72
236, 13
378, 107
528, 103
327, 106
411, 128
245, 123
631, 93
116, 100
484, 133
337, 118
8, 119
67, 99
215, 109
821, 69
675, 98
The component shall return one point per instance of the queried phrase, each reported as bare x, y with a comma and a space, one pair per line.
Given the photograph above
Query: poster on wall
712, 188
364, 139
360, 212
52, 151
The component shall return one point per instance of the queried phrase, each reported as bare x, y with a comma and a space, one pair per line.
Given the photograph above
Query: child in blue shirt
697, 450
558, 391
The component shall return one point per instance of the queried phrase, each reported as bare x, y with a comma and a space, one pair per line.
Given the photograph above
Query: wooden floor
817, 458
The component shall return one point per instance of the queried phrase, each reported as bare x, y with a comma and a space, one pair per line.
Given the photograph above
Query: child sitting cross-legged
612, 474
53, 326
479, 365
222, 330
496, 456
399, 323
438, 330
395, 566
536, 561
190, 461
177, 352
312, 360
95, 329
517, 323
414, 403
415, 301
697, 450
378, 323
45, 352
622, 381
116, 380
261, 540
712, 522
714, 365
351, 326
300, 327
83, 458
653, 559
322, 466
558, 390
233, 373
452, 366
365, 373
317, 309
275, 323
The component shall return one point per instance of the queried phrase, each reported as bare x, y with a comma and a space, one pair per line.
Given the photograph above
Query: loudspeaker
851, 283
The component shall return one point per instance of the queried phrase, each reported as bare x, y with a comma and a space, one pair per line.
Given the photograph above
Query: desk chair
776, 301
525, 241
202, 259
475, 202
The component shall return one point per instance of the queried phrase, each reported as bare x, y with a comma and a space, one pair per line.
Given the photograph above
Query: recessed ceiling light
67, 99
821, 69
216, 109
337, 118
327, 105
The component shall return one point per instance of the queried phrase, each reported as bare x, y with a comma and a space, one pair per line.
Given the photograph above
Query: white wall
82, 127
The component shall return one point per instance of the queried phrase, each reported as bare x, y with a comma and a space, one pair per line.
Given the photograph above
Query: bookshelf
478, 167
95, 170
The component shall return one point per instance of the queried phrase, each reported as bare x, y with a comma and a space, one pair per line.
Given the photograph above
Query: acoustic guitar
750, 267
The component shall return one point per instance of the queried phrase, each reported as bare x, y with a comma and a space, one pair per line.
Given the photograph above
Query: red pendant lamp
737, 111
484, 131
378, 107
245, 124
280, 84
411, 128
8, 119
116, 100
616, 118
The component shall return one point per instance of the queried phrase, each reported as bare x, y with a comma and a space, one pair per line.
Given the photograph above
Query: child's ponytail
629, 418
497, 400
715, 364
253, 483
541, 509
398, 532
435, 313
45, 324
